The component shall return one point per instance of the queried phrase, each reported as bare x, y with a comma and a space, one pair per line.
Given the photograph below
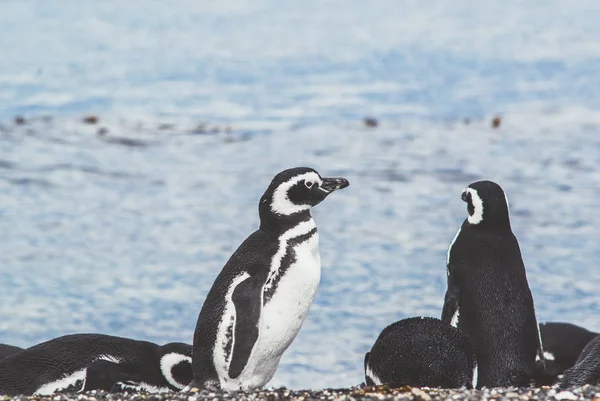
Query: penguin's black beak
333, 184
463, 196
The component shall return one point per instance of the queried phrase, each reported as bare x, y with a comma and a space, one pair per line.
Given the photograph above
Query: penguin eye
308, 184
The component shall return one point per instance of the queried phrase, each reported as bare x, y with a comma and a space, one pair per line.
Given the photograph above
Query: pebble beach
350, 394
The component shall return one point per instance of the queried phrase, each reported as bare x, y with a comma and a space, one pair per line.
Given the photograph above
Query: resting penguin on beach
488, 296
83, 362
563, 343
421, 352
7, 350
260, 299
587, 367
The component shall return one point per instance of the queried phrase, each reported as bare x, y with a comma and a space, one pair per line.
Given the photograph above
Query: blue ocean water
125, 238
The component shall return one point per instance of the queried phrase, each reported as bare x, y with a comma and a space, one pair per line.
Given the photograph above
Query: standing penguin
488, 296
260, 299
7, 350
421, 352
83, 362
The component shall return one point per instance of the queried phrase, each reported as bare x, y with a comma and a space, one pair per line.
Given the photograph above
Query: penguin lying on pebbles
587, 367
83, 362
488, 296
421, 352
260, 299
7, 350
563, 343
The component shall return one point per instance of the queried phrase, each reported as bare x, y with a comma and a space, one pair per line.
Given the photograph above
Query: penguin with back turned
421, 352
488, 296
261, 297
83, 362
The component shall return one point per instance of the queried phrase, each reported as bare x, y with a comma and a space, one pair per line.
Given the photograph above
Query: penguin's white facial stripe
454, 320
477, 216
281, 203
62, 383
167, 362
475, 375
376, 380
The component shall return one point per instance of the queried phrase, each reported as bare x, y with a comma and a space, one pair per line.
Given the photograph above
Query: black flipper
103, 375
247, 299
450, 300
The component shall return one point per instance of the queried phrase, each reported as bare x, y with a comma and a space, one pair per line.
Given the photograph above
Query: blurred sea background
120, 224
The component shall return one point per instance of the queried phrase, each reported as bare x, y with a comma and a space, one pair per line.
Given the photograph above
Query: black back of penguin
7, 350
81, 362
242, 281
488, 295
421, 352
563, 344
587, 367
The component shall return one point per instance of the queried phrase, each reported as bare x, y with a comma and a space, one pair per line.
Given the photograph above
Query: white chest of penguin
282, 316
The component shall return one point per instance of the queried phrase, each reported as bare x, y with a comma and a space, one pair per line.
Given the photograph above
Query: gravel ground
367, 393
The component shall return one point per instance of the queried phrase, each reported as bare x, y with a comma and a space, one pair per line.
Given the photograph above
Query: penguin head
176, 364
487, 204
297, 190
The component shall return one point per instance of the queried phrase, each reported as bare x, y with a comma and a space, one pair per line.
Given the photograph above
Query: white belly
282, 317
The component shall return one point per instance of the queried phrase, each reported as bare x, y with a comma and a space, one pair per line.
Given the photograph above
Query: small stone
421, 394
565, 395
20, 120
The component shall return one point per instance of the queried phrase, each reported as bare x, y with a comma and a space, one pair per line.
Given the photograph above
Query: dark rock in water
370, 122
91, 119
131, 142
200, 129
166, 127
20, 120
496, 121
